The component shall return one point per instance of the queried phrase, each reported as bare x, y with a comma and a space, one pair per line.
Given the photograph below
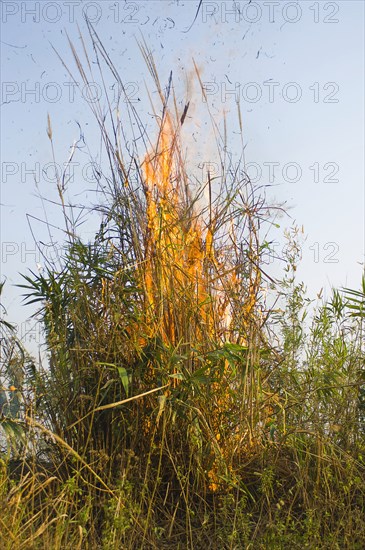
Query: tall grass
179, 410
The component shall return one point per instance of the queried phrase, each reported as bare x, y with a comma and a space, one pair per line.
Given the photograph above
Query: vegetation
188, 401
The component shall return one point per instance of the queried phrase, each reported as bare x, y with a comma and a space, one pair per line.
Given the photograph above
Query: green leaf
273, 429
13, 431
108, 383
102, 364
123, 375
177, 376
200, 379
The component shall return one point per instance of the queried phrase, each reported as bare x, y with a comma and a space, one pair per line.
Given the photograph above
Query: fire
174, 275
188, 283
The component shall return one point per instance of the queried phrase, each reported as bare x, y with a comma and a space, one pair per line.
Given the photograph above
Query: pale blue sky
268, 51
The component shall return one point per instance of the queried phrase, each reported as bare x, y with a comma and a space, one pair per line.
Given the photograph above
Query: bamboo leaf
123, 375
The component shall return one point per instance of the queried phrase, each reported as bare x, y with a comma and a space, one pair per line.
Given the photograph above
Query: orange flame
187, 283
175, 254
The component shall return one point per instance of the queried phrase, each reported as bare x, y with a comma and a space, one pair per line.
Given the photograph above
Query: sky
296, 68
